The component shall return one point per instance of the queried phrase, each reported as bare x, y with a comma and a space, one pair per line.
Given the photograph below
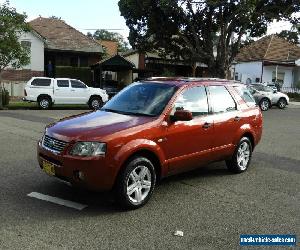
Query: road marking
56, 200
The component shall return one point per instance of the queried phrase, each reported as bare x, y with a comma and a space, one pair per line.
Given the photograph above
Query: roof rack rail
188, 79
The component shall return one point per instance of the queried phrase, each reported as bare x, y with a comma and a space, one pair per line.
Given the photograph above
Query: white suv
47, 91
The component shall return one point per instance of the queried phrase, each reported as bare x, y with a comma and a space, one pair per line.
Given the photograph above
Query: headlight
88, 149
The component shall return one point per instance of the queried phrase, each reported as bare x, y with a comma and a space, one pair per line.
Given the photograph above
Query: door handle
73, 90
206, 125
237, 118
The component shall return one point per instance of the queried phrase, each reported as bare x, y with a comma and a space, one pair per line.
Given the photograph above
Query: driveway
211, 206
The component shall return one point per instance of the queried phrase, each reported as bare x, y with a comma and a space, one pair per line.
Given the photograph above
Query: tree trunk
194, 67
1, 101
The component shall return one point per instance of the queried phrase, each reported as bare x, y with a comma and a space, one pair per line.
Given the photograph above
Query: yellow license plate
48, 168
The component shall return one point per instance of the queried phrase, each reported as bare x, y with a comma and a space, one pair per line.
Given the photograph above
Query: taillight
25, 93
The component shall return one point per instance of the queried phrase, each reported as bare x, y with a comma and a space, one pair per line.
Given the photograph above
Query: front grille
54, 144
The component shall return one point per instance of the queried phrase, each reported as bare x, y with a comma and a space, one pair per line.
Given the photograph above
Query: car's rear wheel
136, 183
95, 103
44, 102
241, 158
264, 104
282, 103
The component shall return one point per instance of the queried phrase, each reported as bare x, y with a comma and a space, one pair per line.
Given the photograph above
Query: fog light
79, 175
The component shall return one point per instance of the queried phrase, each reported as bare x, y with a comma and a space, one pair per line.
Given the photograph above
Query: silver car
266, 97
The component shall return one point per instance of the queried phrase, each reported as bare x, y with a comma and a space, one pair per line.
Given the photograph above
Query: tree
209, 31
291, 36
111, 36
12, 24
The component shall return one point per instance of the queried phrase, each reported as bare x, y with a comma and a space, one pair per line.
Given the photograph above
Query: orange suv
150, 130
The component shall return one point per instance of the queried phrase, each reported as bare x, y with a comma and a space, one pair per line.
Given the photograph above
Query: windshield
147, 99
262, 88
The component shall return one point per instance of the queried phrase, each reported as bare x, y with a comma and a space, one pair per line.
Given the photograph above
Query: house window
26, 45
280, 77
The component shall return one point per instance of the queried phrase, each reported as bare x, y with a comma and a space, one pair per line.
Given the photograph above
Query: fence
290, 90
14, 88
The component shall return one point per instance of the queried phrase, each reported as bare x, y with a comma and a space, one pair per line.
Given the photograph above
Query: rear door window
221, 99
63, 83
41, 82
77, 84
246, 95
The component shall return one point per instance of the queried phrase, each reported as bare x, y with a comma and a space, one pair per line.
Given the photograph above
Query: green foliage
110, 36
168, 73
12, 24
5, 97
291, 36
294, 96
208, 31
80, 73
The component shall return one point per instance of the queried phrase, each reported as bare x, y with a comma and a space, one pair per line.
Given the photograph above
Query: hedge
5, 97
294, 95
81, 73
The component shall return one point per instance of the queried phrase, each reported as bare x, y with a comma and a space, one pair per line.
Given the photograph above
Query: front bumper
95, 172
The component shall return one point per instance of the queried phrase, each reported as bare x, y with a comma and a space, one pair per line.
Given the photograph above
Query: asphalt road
211, 206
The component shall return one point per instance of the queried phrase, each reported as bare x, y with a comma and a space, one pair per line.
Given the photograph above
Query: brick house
69, 51
152, 64
110, 47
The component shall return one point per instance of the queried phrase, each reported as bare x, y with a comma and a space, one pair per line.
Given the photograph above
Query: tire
264, 104
44, 102
95, 103
136, 183
241, 158
282, 103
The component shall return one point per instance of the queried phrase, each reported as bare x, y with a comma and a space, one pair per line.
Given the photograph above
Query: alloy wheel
44, 103
95, 104
264, 105
139, 184
243, 155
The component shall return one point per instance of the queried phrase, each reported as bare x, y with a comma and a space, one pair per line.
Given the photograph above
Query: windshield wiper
115, 111
140, 114
127, 113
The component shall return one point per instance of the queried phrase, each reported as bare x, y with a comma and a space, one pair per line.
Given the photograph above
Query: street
210, 205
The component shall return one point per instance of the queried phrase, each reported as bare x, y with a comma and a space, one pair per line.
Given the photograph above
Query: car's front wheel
281, 103
136, 183
264, 104
241, 158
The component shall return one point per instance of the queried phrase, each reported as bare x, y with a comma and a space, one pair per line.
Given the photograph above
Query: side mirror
274, 91
182, 115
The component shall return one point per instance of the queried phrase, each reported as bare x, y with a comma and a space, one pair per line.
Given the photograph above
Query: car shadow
101, 203
212, 170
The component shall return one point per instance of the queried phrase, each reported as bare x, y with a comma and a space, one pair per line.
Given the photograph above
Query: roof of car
181, 81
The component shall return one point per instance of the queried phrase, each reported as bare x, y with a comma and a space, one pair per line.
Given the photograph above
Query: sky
89, 15
80, 14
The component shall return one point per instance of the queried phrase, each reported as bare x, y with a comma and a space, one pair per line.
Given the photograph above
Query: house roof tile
110, 46
272, 48
59, 35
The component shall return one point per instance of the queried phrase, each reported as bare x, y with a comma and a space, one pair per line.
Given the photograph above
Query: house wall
36, 51
134, 58
251, 70
296, 72
34, 68
288, 74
